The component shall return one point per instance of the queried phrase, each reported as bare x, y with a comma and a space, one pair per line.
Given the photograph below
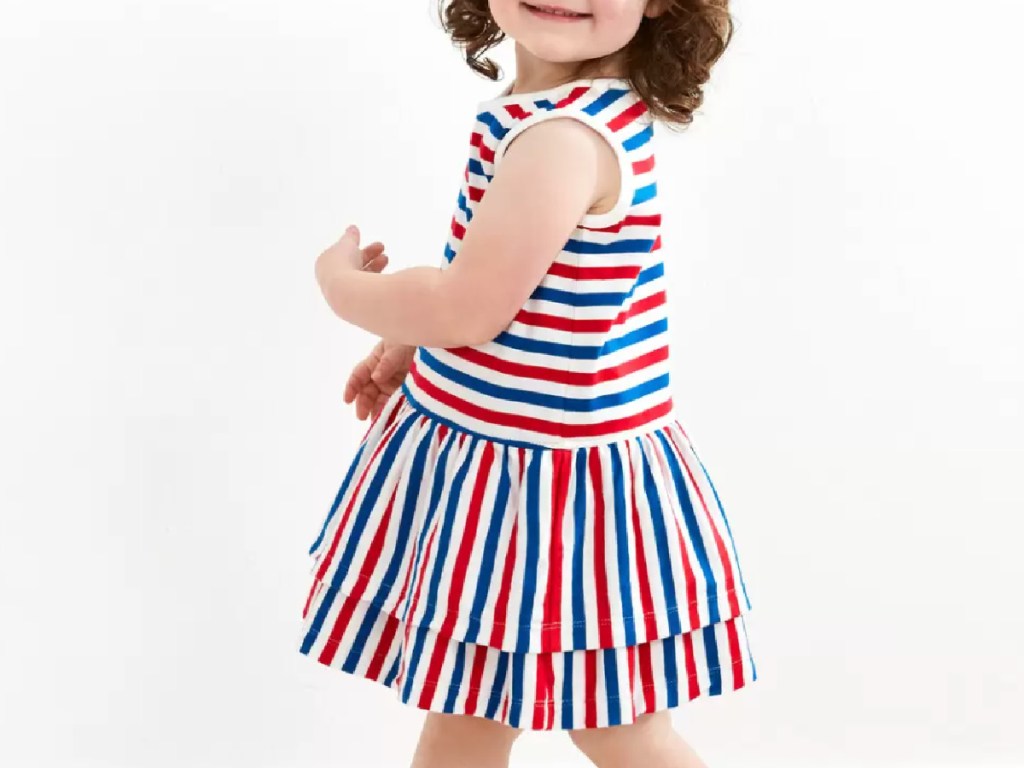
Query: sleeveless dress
526, 532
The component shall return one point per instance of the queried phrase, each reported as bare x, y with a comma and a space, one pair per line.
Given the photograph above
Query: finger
359, 378
376, 265
351, 234
387, 367
366, 398
372, 251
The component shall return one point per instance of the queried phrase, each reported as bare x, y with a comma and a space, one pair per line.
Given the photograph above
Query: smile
554, 12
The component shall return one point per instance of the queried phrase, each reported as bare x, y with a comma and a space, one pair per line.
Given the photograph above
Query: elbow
472, 323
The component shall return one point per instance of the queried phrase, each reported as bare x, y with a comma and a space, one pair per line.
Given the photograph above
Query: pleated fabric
546, 588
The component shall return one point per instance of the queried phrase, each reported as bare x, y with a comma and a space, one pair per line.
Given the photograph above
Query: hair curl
667, 62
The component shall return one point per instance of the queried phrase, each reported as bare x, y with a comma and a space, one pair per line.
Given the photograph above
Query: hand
346, 255
377, 376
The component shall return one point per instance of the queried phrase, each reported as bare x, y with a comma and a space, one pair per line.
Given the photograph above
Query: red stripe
498, 626
631, 655
428, 687
627, 115
359, 586
486, 153
544, 700
590, 687
647, 676
646, 597
604, 611
591, 325
643, 166
573, 96
734, 650
693, 689
461, 565
506, 419
723, 554
551, 630
516, 111
476, 677
328, 557
542, 373
559, 269
312, 593
475, 194
648, 220
391, 625
457, 229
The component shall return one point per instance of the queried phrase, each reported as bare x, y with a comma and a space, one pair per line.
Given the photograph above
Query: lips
555, 10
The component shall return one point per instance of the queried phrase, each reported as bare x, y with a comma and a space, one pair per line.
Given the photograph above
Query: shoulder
562, 144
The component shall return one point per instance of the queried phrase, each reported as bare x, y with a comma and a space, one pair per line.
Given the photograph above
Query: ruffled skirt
545, 588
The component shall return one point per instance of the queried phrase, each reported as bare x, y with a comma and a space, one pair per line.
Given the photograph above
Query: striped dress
526, 532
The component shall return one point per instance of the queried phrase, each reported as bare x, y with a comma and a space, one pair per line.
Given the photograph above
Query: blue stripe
499, 684
559, 296
714, 664
661, 542
692, 528
571, 298
449, 252
456, 427
327, 602
477, 169
545, 104
639, 139
427, 525
638, 245
404, 535
611, 683
643, 194
464, 207
567, 722
607, 98
497, 129
393, 672
572, 404
721, 509
369, 497
456, 678
622, 546
338, 497
574, 352
490, 553
440, 555
544, 293
518, 664
668, 646
529, 587
579, 611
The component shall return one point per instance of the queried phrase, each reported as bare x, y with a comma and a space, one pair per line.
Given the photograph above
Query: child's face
607, 27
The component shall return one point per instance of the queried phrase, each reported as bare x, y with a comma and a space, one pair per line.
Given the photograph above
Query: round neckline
508, 98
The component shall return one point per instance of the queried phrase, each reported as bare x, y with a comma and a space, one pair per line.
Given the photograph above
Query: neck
534, 74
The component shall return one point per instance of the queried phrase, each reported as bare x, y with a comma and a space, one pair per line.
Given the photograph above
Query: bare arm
549, 177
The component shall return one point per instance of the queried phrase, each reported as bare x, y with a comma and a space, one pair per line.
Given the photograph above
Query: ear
655, 8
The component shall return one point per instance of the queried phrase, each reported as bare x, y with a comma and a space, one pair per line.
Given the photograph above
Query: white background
843, 241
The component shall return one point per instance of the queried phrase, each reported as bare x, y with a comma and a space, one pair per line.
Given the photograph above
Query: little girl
526, 538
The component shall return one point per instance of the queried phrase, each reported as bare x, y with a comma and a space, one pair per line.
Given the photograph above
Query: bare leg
651, 742
463, 741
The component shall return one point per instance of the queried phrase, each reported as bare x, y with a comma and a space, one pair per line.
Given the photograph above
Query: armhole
625, 200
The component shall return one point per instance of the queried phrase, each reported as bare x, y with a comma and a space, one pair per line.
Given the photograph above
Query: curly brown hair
667, 62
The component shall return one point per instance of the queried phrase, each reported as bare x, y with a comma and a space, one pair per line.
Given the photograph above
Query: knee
470, 730
606, 745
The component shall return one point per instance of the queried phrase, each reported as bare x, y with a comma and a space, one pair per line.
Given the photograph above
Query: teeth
555, 11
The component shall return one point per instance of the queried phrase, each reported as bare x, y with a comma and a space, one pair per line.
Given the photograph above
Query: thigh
463, 741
